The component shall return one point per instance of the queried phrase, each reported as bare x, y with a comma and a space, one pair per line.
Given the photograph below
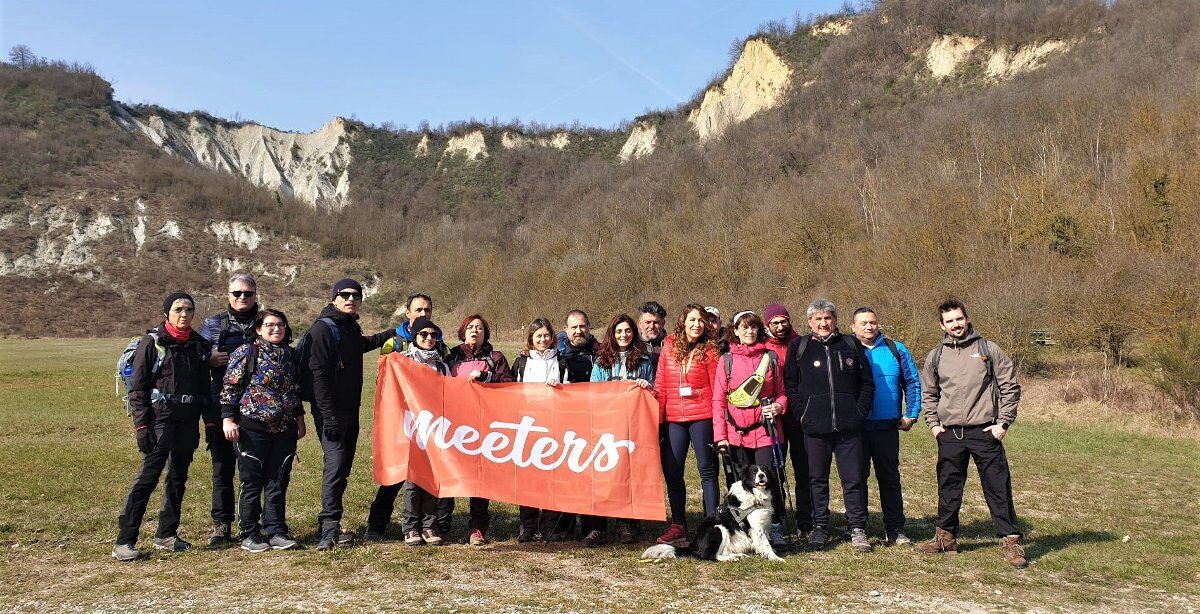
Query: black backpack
304, 352
989, 365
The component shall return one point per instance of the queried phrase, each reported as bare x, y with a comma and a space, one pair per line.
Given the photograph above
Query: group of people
750, 390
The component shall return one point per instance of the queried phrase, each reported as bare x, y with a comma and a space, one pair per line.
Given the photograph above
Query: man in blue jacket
897, 388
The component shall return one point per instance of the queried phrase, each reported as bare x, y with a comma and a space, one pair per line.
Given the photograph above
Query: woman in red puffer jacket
684, 386
740, 429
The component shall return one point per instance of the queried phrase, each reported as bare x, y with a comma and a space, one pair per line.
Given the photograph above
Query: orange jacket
670, 379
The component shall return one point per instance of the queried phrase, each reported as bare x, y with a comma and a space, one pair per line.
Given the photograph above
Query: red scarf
178, 335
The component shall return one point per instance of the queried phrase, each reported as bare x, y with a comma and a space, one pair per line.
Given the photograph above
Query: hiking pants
699, 435
881, 448
956, 447
479, 519
793, 442
383, 506
339, 460
224, 460
265, 466
744, 457
177, 442
534, 520
420, 510
848, 449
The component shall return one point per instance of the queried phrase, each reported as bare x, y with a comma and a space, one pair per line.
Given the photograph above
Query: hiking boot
943, 541
476, 538
778, 541
328, 538
525, 535
556, 536
818, 539
595, 539
898, 538
345, 537
1013, 553
373, 535
171, 544
125, 552
675, 535
859, 541
432, 538
625, 534
283, 541
413, 538
254, 543
221, 536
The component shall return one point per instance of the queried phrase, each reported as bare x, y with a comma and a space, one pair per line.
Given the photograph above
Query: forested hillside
1038, 158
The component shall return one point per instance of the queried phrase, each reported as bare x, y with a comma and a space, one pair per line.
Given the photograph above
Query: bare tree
22, 57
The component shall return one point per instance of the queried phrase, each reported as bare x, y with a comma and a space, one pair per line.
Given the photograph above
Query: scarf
180, 336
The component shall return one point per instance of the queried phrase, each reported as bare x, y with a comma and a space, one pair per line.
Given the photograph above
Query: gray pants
419, 509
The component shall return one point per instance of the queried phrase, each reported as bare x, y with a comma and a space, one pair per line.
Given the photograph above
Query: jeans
265, 465
177, 442
699, 435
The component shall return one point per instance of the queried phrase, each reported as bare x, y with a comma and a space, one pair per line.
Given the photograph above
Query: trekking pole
779, 462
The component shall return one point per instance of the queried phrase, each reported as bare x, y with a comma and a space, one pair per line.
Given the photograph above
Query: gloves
146, 440
212, 434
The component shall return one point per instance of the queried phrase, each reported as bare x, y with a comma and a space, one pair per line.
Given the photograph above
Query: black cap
344, 284
174, 296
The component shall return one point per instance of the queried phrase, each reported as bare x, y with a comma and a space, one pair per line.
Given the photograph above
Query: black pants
383, 506
266, 469
534, 520
339, 460
744, 457
882, 449
587, 524
479, 518
177, 442
224, 460
848, 449
558, 522
956, 447
794, 443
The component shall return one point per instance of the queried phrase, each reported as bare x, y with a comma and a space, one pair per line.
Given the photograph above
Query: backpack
988, 365
124, 374
304, 351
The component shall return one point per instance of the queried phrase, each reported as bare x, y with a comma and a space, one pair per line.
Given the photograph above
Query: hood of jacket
950, 341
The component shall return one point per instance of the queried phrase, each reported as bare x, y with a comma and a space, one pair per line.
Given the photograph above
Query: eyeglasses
241, 293
427, 334
350, 296
274, 325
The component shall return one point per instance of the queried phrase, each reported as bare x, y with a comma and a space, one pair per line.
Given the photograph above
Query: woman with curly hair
684, 385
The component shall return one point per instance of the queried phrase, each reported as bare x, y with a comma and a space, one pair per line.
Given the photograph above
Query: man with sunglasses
337, 378
226, 331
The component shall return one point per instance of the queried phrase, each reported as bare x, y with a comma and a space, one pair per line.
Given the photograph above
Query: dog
739, 527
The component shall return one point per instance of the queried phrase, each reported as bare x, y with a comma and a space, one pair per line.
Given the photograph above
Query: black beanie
344, 284
421, 324
174, 296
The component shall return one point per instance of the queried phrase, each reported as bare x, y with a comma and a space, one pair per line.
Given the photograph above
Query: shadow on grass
982, 534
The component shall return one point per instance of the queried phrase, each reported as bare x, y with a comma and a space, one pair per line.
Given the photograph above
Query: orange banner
583, 448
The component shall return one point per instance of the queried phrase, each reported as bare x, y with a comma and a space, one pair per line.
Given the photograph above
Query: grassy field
1110, 515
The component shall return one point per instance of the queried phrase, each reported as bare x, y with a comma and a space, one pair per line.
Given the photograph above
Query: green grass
67, 456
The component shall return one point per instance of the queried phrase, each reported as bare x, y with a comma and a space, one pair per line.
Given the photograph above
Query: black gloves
146, 440
213, 434
330, 429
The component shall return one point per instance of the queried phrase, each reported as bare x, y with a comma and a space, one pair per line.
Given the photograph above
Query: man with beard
779, 336
651, 317
578, 349
226, 331
970, 393
336, 363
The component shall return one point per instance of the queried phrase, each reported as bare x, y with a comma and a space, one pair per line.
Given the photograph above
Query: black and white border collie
738, 529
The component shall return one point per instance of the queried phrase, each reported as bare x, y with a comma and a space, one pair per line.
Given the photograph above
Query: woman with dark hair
168, 384
750, 394
262, 415
539, 362
622, 356
475, 359
684, 385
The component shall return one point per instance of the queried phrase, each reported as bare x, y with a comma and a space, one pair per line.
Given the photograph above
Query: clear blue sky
294, 65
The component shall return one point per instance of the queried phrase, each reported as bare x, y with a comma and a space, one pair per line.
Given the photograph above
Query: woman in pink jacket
684, 385
739, 420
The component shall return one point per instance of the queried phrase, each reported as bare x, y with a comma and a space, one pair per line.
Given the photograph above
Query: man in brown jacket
970, 393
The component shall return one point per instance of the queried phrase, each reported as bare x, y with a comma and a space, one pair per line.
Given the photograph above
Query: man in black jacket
337, 377
167, 401
830, 390
578, 348
226, 330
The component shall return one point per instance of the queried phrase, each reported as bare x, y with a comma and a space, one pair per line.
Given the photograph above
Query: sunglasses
241, 293
427, 334
350, 296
